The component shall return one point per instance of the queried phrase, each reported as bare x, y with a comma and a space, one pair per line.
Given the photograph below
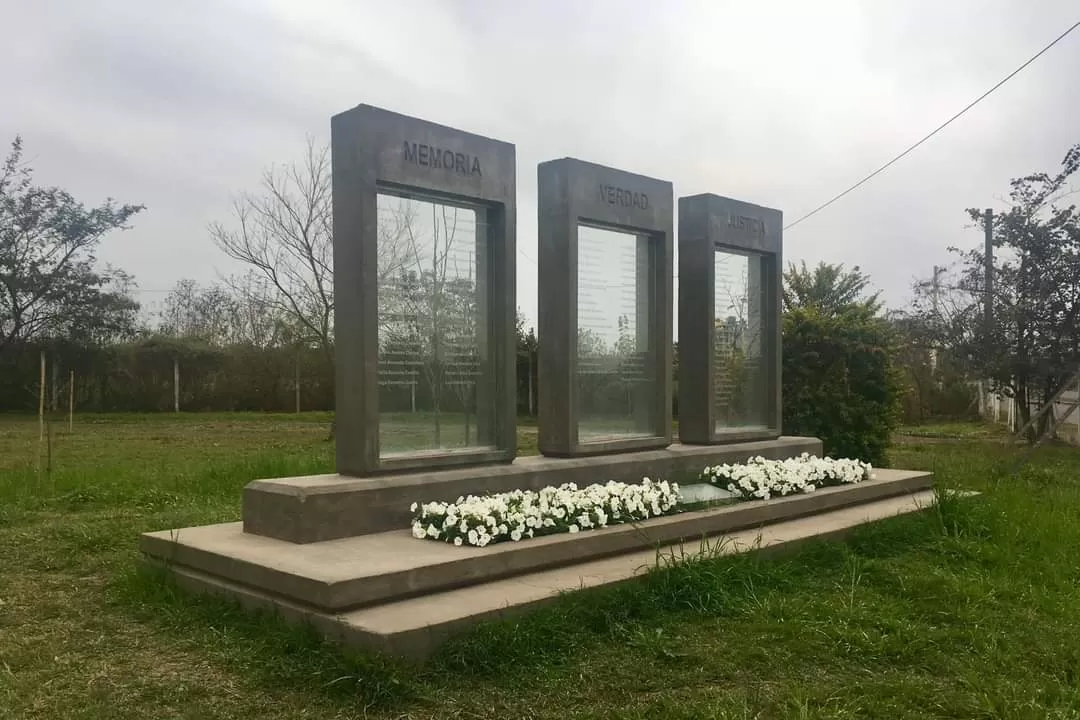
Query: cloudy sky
178, 105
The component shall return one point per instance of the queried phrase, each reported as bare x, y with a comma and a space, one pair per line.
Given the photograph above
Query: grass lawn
957, 431
970, 611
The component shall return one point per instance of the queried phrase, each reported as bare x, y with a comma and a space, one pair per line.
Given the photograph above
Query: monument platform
392, 592
316, 508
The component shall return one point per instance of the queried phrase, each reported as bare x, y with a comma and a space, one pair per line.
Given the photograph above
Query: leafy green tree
1032, 348
839, 381
828, 287
527, 346
51, 286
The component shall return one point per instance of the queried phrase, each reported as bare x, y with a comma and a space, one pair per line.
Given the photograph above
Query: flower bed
521, 514
760, 479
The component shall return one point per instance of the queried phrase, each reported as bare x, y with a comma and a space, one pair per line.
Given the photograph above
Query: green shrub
839, 382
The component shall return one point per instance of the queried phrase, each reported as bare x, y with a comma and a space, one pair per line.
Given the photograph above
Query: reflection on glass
434, 370
615, 382
739, 372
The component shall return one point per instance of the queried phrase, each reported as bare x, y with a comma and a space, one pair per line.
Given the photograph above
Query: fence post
54, 400
71, 400
41, 401
296, 383
176, 384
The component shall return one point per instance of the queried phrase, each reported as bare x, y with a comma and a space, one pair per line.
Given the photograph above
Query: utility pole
988, 286
988, 282
936, 289
935, 298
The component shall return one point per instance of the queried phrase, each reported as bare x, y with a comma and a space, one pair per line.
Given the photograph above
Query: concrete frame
573, 192
377, 151
709, 223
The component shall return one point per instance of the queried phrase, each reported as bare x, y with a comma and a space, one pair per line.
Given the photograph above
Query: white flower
413, 507
763, 478
480, 520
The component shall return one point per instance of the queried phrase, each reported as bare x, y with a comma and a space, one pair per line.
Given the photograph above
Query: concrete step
413, 627
317, 508
343, 574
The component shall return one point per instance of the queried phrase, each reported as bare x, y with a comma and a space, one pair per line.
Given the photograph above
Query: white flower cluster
760, 479
522, 514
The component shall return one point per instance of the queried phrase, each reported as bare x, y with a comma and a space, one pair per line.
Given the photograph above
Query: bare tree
284, 233
201, 313
256, 318
240, 311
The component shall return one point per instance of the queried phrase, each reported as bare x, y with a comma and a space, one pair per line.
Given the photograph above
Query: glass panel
616, 381
436, 387
739, 370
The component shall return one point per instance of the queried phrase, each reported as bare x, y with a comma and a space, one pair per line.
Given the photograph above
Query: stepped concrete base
326, 507
394, 593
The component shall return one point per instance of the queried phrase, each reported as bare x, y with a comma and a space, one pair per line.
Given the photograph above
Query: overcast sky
178, 105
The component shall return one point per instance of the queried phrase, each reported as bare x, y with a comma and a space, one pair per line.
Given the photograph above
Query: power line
936, 130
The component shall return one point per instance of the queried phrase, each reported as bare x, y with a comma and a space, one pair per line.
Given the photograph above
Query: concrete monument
730, 255
424, 288
424, 294
605, 309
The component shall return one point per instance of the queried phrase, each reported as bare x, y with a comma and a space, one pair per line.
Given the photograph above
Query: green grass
957, 430
971, 610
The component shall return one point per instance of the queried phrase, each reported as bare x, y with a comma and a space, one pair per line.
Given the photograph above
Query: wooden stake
71, 400
48, 450
41, 401
54, 396
176, 384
